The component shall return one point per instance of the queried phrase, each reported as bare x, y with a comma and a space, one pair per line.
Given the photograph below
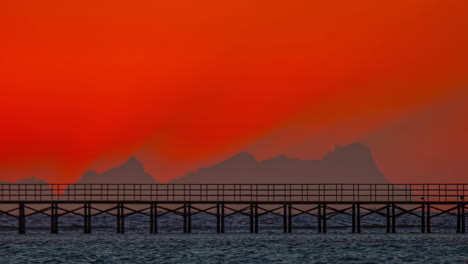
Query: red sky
182, 84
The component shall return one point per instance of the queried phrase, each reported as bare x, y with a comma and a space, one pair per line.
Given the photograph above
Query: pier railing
235, 192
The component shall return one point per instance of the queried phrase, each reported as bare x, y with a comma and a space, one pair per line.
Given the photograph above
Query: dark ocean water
237, 245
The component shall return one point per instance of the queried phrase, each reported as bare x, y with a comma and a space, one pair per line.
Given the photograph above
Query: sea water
237, 245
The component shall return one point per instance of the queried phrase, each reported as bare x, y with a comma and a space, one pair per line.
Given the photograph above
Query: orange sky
182, 84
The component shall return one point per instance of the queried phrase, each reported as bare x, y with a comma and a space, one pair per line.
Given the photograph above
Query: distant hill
42, 185
31, 180
132, 171
346, 164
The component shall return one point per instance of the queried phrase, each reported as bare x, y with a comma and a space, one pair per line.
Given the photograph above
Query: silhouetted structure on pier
320, 201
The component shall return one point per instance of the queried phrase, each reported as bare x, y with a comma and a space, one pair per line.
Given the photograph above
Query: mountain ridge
130, 172
351, 163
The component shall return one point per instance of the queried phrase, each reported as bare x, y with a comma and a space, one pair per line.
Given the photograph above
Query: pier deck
319, 201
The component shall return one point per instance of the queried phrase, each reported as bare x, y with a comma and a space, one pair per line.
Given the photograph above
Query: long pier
319, 201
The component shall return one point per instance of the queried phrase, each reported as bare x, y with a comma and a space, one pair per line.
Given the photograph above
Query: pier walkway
319, 201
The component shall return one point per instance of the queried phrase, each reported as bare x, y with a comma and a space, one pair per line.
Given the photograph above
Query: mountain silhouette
132, 171
41, 186
30, 180
352, 163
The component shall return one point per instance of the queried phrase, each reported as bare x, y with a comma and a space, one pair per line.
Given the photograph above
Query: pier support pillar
87, 218
21, 219
185, 218
251, 218
218, 218
54, 218
319, 218
458, 218
353, 218
256, 218
394, 216
423, 218
290, 216
153, 218
358, 218
388, 218
120, 218
324, 217
462, 215
428, 218
222, 217
189, 218
285, 218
